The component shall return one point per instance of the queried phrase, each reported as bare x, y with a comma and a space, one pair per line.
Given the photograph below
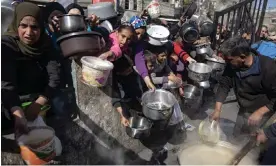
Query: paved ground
227, 122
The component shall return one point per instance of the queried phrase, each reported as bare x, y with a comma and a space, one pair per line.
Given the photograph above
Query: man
253, 78
268, 135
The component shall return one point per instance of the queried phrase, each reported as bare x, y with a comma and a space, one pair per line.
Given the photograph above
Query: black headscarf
52, 9
74, 6
42, 45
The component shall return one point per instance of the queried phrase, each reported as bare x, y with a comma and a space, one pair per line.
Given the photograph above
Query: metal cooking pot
216, 64
158, 35
203, 49
158, 104
191, 94
139, 127
81, 44
7, 10
219, 154
206, 28
71, 23
199, 72
189, 32
104, 10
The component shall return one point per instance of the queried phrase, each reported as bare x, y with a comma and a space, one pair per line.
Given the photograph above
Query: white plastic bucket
95, 71
38, 146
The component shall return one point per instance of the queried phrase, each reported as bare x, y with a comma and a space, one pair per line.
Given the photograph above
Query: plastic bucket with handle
38, 146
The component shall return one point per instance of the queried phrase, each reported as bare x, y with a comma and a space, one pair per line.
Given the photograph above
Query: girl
140, 29
123, 72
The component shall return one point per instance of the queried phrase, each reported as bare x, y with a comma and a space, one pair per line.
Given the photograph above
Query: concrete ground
227, 122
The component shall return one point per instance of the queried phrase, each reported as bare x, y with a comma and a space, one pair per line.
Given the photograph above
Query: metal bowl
158, 104
191, 92
138, 127
71, 23
215, 63
199, 72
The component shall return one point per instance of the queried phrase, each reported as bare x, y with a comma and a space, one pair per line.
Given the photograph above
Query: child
123, 73
138, 47
118, 42
158, 67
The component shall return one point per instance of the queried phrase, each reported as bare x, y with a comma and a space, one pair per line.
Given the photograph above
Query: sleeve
9, 94
53, 68
167, 68
270, 84
183, 55
270, 132
140, 61
256, 45
225, 84
115, 48
158, 80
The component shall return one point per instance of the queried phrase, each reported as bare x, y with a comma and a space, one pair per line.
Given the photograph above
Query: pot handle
164, 40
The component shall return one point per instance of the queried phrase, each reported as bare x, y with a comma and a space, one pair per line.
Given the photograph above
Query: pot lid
96, 63
158, 31
76, 34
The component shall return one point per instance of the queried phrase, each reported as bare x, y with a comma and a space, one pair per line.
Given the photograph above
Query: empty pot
199, 72
217, 64
158, 35
189, 32
71, 23
158, 104
139, 127
191, 94
81, 43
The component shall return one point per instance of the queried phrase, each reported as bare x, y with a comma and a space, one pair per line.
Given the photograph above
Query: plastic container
209, 131
95, 71
38, 147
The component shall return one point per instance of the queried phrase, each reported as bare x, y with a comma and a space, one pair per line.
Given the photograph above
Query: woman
29, 65
50, 13
93, 21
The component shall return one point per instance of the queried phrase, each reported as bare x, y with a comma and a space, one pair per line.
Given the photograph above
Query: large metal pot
219, 154
81, 43
203, 49
71, 23
199, 72
192, 95
158, 104
7, 10
189, 32
139, 127
215, 63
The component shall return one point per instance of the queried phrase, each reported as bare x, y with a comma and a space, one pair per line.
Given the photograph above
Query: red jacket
183, 55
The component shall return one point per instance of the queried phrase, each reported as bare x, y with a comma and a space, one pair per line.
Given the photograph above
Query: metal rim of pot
190, 29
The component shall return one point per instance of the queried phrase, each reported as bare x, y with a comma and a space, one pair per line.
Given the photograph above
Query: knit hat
137, 22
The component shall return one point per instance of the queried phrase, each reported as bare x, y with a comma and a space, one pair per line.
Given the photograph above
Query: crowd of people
32, 64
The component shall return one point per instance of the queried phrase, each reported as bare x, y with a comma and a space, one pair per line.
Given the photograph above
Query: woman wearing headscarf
29, 66
50, 13
92, 19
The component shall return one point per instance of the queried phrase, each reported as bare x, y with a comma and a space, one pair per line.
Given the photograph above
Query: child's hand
174, 79
181, 91
124, 121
